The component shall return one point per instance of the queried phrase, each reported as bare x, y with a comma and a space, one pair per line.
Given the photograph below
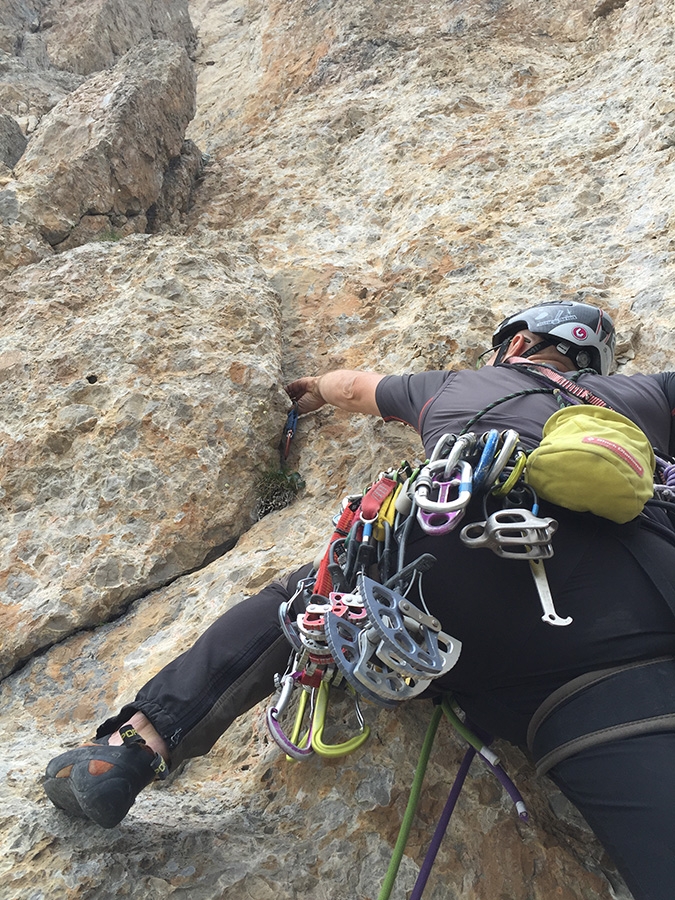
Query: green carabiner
297, 725
503, 489
331, 751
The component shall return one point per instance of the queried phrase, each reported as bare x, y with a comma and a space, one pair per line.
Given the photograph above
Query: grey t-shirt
438, 403
599, 575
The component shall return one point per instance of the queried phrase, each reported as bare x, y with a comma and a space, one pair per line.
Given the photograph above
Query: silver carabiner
510, 440
443, 445
462, 448
285, 694
423, 489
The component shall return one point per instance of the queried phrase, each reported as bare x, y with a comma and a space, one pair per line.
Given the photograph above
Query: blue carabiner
480, 473
290, 428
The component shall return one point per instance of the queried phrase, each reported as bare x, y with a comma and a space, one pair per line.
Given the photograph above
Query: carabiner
513, 477
486, 460
443, 446
331, 751
425, 482
461, 450
290, 428
288, 745
509, 440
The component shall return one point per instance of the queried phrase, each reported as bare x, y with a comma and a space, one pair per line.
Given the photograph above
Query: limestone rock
28, 92
105, 149
20, 244
12, 141
16, 17
407, 173
29, 86
184, 173
140, 400
86, 37
48, 46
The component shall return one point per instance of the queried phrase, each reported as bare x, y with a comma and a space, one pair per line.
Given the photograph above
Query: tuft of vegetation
276, 490
109, 234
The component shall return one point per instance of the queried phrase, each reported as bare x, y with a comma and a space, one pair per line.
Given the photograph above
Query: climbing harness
605, 705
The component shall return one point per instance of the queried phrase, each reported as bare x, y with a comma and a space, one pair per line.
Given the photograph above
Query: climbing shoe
101, 782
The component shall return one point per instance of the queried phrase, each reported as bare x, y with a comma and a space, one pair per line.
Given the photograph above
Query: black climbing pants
626, 792
195, 698
625, 789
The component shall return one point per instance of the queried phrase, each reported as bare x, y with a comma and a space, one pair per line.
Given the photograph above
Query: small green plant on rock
276, 489
109, 234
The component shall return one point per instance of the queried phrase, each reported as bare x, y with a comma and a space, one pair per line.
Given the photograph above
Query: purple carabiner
441, 522
276, 731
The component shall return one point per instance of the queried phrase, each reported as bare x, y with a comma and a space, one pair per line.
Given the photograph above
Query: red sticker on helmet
580, 333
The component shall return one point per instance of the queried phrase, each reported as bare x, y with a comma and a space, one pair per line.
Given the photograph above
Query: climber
616, 583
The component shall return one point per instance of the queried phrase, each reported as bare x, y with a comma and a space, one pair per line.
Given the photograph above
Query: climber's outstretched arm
348, 389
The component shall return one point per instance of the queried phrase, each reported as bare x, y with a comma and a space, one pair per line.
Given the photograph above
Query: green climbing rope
413, 801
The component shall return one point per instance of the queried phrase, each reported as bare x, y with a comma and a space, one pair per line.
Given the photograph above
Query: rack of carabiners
353, 625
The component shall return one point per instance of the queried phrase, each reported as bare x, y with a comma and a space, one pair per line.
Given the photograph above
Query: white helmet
579, 331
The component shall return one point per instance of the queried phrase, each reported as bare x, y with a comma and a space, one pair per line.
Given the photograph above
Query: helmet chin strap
501, 353
563, 347
535, 348
504, 346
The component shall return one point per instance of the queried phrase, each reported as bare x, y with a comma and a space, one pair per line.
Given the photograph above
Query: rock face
12, 141
88, 37
120, 434
367, 184
97, 161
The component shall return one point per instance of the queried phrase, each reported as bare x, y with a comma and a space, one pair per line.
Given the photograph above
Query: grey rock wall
367, 184
134, 374
12, 141
102, 152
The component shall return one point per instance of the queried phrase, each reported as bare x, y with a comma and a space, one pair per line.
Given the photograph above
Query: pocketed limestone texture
215, 198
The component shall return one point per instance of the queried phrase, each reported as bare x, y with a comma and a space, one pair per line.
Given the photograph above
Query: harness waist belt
607, 705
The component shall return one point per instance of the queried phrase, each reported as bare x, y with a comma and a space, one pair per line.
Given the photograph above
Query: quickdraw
290, 428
